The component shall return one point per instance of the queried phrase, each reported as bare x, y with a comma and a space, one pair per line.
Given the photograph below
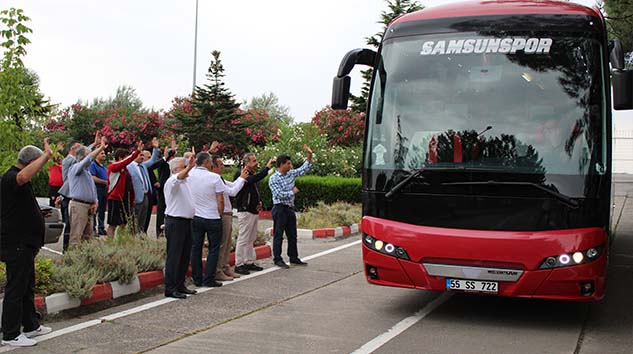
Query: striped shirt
281, 185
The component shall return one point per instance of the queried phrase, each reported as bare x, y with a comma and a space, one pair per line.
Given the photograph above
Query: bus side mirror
341, 84
340, 92
616, 56
622, 82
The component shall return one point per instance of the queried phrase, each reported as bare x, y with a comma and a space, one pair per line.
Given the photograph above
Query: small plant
44, 270
333, 215
3, 275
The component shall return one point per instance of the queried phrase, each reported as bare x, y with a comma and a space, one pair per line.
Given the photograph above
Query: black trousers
18, 306
66, 220
284, 219
178, 235
160, 210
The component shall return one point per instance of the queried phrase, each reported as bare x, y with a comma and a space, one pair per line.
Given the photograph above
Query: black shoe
213, 284
187, 291
298, 262
242, 270
102, 233
253, 267
176, 295
282, 264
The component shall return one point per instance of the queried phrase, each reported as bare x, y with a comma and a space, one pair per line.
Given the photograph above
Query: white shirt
178, 198
204, 188
231, 190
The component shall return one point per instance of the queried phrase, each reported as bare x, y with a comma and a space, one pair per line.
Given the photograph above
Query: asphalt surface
327, 307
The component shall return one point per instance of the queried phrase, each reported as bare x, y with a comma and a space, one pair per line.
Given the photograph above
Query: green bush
315, 189
99, 261
44, 270
333, 215
329, 160
3, 275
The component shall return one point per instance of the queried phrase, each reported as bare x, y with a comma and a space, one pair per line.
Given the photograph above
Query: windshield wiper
418, 174
404, 182
563, 198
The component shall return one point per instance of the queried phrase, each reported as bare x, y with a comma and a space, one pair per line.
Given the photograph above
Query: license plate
472, 285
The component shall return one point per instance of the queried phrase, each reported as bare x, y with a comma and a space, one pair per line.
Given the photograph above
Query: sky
83, 49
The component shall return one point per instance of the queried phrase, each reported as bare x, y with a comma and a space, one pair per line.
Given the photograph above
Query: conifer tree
216, 114
620, 22
396, 8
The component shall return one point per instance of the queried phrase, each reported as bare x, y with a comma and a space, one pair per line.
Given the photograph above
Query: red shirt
55, 175
117, 175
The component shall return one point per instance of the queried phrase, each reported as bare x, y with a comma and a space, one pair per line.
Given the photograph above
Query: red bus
487, 154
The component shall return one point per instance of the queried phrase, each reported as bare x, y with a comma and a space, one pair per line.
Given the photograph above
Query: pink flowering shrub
344, 128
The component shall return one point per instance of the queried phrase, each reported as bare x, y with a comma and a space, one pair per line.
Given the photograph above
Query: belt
81, 201
284, 206
177, 217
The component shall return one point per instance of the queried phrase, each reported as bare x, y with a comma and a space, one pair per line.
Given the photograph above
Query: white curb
119, 289
354, 228
60, 301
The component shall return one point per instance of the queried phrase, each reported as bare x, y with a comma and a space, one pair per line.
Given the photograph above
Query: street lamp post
195, 51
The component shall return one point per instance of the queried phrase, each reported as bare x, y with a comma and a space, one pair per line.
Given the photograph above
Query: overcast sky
83, 49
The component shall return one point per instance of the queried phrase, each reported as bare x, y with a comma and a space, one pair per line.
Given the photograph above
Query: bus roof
498, 7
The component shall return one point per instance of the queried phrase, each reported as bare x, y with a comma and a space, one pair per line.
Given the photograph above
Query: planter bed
57, 302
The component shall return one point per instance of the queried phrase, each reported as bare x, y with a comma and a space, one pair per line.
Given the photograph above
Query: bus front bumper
512, 260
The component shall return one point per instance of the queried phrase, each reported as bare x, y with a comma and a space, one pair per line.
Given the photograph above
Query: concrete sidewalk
609, 325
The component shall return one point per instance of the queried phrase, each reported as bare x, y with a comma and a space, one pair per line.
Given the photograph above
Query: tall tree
215, 114
269, 103
395, 9
620, 22
21, 101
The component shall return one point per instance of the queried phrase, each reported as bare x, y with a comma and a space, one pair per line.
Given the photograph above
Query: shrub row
315, 189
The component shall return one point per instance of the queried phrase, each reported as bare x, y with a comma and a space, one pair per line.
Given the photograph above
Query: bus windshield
527, 103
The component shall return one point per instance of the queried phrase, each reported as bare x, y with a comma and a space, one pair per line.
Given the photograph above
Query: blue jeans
99, 218
284, 219
212, 228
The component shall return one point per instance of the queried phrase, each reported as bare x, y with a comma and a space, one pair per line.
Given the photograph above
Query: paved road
328, 307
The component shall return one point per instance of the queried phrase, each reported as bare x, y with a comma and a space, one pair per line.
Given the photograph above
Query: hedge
314, 189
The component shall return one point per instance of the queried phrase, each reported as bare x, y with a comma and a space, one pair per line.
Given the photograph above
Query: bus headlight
572, 259
385, 248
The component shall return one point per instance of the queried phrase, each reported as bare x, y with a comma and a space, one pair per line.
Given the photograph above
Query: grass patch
332, 215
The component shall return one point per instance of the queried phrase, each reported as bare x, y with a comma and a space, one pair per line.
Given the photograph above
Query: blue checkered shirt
281, 185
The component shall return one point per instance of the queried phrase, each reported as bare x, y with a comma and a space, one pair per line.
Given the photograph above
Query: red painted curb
265, 214
319, 233
100, 292
263, 251
40, 302
346, 230
150, 280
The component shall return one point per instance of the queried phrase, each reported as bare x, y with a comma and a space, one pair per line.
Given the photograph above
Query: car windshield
520, 103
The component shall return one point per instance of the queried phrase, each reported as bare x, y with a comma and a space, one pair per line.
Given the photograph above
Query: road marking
52, 251
402, 326
112, 317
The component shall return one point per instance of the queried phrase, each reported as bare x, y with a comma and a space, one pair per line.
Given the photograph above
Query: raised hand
104, 142
97, 138
270, 163
192, 159
140, 146
47, 148
244, 173
307, 149
155, 142
174, 145
214, 147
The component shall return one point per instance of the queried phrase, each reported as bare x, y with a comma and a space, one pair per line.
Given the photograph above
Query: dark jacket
248, 198
163, 172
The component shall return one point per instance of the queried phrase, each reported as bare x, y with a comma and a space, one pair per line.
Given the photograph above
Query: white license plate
472, 285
